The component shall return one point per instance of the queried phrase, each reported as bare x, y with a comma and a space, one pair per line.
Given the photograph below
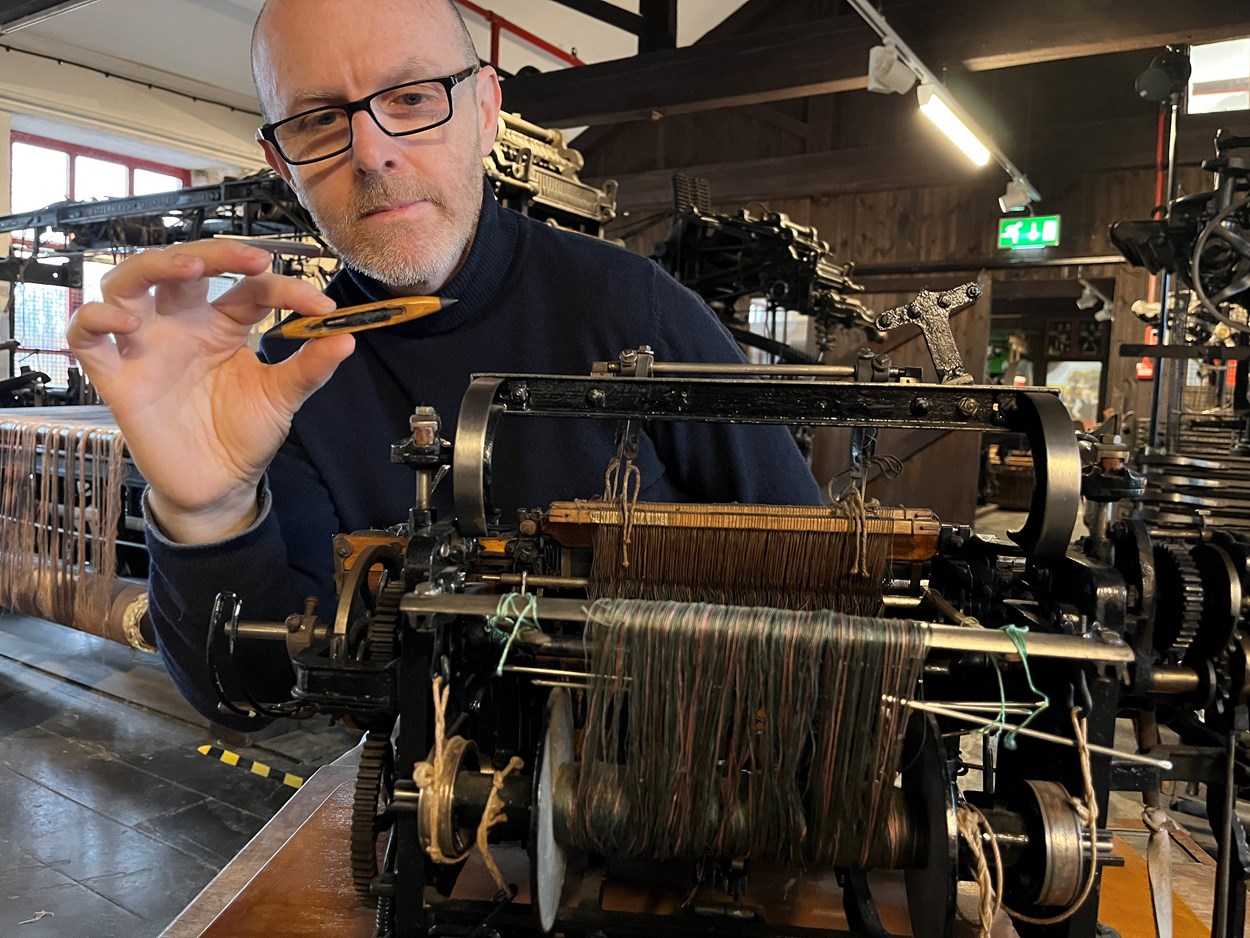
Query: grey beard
393, 266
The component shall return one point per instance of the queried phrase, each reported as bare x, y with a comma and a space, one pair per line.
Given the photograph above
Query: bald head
278, 16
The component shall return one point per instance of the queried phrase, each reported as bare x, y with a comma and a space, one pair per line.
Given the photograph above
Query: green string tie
524, 619
1016, 633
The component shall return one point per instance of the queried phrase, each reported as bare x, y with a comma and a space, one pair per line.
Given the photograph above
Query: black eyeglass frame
269, 131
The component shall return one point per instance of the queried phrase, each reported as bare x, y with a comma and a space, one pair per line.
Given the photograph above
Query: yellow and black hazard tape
256, 768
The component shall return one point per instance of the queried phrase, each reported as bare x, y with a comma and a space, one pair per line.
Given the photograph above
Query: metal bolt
529, 527
343, 549
920, 406
596, 398
519, 394
968, 407
629, 355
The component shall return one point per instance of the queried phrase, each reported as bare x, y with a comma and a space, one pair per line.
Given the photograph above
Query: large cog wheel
1179, 602
375, 776
374, 779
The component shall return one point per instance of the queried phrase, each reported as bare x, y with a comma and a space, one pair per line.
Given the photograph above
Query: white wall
205, 135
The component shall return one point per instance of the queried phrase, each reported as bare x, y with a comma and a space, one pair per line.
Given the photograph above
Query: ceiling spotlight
1019, 195
1103, 314
934, 107
887, 72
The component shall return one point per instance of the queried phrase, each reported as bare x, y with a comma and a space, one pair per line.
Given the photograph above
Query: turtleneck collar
473, 287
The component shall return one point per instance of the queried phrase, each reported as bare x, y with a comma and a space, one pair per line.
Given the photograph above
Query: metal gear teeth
375, 759
384, 622
375, 756
1178, 609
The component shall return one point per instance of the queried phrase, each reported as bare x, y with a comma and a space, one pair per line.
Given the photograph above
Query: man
379, 117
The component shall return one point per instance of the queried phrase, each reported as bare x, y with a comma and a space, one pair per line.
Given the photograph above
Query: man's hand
202, 416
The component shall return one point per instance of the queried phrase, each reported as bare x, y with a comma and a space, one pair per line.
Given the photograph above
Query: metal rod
947, 608
1219, 920
1165, 290
942, 637
553, 582
1025, 731
900, 602
556, 672
703, 368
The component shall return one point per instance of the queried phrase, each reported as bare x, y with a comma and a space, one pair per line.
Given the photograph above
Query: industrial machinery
1199, 467
533, 171
529, 168
725, 258
658, 719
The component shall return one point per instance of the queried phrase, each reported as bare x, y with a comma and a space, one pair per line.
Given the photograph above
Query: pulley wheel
932, 889
549, 860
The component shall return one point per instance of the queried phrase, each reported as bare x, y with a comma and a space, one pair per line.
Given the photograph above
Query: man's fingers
90, 334
251, 299
308, 369
135, 277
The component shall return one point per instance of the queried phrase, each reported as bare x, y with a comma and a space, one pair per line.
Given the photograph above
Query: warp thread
718, 730
60, 506
779, 562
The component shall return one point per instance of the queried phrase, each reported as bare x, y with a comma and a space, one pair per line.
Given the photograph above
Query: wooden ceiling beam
1120, 144
830, 55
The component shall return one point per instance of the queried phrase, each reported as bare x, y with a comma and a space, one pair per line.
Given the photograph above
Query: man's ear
275, 160
489, 101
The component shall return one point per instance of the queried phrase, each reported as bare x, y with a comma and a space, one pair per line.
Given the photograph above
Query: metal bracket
932, 312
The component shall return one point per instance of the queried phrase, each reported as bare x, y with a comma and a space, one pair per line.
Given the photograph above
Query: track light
938, 111
887, 72
33, 12
1092, 297
1018, 196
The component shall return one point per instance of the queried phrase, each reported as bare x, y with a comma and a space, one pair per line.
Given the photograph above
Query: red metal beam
500, 24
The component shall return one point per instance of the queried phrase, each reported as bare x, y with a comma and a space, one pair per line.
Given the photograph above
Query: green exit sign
1034, 231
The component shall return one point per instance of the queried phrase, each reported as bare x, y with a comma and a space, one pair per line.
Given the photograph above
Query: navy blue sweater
530, 299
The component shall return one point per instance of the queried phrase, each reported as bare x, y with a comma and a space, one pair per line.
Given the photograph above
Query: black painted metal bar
608, 13
813, 403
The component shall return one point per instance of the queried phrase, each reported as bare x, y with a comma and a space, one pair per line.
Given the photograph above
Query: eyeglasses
323, 132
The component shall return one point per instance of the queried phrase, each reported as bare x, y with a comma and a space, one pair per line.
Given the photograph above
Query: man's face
401, 209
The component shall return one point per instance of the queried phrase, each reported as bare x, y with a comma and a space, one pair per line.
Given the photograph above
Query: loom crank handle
932, 312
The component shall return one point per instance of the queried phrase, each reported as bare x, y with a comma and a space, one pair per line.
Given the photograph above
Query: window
1221, 77
47, 171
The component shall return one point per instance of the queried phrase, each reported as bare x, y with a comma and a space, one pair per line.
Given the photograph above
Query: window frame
75, 150
73, 297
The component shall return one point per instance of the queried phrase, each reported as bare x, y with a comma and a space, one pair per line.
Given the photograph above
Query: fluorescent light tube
933, 107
